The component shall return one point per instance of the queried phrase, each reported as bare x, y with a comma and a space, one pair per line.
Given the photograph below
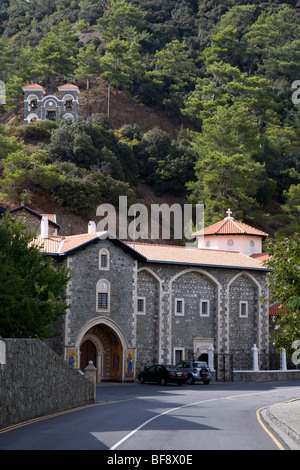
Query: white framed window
141, 305
179, 307
103, 296
104, 259
204, 308
243, 308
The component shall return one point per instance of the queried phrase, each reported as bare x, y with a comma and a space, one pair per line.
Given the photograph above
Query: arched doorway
203, 357
103, 343
88, 353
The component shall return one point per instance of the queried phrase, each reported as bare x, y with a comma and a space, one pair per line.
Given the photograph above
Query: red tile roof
32, 86
68, 86
59, 244
260, 256
154, 252
230, 226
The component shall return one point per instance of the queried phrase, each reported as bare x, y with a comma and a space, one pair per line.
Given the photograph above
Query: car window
152, 369
199, 364
180, 364
159, 369
187, 365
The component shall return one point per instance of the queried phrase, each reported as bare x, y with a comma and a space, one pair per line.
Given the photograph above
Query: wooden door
87, 353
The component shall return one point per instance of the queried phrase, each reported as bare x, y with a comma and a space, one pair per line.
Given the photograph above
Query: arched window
104, 259
251, 247
32, 117
103, 296
68, 102
32, 102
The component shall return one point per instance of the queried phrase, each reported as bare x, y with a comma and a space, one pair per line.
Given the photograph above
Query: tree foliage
195, 60
31, 295
284, 285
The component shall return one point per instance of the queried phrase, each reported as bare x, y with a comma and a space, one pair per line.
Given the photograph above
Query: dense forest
226, 72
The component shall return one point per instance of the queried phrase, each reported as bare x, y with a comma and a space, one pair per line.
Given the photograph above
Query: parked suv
196, 371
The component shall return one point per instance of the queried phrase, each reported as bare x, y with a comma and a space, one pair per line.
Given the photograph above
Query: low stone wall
265, 375
35, 381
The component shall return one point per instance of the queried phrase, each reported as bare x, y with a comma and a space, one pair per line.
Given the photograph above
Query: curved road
150, 417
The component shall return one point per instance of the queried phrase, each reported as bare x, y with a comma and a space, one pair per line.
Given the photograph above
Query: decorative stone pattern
36, 382
38, 105
157, 334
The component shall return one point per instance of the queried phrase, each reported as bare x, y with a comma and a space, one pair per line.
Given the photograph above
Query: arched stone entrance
103, 342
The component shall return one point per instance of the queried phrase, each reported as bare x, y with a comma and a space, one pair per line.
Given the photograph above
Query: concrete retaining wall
35, 381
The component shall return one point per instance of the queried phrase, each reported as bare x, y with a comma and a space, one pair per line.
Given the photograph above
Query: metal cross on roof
50, 85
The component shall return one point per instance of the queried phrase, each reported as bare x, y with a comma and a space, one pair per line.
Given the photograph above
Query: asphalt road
150, 417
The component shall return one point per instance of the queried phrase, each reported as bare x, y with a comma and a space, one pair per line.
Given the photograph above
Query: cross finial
229, 212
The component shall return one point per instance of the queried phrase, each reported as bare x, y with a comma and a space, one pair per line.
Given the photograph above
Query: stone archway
103, 342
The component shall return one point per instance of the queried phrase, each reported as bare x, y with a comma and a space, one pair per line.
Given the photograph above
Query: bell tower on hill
39, 105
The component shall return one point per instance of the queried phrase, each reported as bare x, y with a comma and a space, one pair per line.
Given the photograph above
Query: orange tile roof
47, 245
60, 244
151, 252
196, 256
68, 86
261, 256
230, 226
32, 85
74, 241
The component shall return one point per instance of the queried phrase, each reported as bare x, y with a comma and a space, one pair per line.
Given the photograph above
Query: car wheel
163, 381
190, 380
142, 380
204, 372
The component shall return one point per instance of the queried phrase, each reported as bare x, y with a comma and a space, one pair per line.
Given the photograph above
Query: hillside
200, 106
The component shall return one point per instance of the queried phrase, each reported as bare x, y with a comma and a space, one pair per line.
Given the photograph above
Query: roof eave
182, 263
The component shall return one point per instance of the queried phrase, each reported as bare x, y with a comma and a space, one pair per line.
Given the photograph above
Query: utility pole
108, 99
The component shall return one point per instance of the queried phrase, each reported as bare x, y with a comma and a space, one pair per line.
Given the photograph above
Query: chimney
44, 227
92, 227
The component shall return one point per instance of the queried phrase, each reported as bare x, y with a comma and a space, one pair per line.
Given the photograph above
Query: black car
162, 374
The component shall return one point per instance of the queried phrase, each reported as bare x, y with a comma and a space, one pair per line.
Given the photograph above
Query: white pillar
210, 350
255, 357
283, 359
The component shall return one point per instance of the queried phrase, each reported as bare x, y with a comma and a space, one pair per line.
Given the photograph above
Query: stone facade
39, 105
157, 311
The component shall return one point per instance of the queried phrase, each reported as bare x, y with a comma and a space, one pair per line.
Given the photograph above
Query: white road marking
125, 438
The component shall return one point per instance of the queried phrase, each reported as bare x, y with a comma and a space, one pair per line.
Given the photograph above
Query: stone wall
265, 376
192, 331
34, 382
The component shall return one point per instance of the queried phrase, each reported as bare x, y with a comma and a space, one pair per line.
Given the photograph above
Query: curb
277, 416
